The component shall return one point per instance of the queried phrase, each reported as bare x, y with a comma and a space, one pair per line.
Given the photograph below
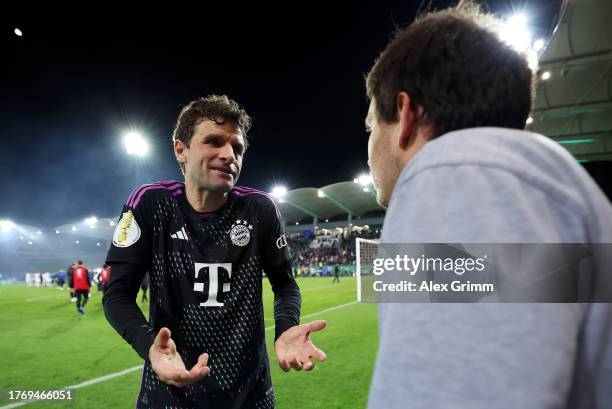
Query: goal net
366, 252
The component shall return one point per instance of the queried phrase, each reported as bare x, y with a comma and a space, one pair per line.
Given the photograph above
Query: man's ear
179, 151
409, 115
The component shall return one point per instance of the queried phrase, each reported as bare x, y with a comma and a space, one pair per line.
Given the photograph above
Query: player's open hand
168, 364
294, 349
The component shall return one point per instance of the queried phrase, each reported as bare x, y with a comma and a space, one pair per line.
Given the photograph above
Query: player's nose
227, 153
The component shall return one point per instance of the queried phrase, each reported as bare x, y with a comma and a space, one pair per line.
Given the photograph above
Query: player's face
214, 158
382, 158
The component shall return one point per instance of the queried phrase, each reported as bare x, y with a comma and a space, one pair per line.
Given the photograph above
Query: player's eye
213, 141
238, 150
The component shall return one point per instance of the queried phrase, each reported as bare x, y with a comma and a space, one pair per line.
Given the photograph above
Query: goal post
366, 251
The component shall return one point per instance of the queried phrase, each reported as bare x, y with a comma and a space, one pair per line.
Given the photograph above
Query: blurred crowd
314, 255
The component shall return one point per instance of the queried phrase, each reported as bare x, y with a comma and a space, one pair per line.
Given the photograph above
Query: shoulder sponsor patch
127, 231
281, 241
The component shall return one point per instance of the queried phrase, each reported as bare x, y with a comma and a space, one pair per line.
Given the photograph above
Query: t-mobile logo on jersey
213, 280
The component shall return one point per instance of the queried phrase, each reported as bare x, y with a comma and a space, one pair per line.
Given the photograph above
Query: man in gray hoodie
451, 161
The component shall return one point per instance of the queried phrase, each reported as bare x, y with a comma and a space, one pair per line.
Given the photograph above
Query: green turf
47, 345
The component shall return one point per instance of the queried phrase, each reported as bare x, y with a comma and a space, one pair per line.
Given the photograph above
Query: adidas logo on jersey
181, 235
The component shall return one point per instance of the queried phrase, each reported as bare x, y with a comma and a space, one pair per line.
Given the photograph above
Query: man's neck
203, 200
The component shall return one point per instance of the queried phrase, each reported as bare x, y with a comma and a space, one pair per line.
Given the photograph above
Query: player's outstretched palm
168, 364
294, 349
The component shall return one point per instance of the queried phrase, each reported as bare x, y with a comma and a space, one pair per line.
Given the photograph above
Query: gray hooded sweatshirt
494, 185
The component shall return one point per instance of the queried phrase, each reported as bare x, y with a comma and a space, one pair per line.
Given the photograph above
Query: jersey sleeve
277, 263
274, 249
133, 233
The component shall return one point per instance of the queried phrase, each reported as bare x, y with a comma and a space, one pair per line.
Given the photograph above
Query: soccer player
69, 270
336, 274
144, 286
205, 243
104, 277
81, 283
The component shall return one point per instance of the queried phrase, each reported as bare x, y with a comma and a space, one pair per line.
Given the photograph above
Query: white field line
46, 297
336, 307
330, 286
77, 386
135, 368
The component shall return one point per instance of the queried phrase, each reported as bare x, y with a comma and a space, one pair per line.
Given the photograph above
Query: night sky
79, 77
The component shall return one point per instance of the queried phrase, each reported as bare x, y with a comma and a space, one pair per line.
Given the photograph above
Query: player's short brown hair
454, 65
218, 108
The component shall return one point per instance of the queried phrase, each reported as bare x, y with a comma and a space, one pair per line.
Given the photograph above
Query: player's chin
223, 186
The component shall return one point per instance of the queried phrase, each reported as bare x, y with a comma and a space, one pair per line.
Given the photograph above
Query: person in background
144, 286
69, 280
104, 277
81, 283
336, 274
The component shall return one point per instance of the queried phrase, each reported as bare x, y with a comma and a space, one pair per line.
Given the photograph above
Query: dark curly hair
453, 65
218, 108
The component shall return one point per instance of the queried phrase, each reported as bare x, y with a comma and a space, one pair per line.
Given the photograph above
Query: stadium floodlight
538, 44
320, 193
76, 242
545, 75
135, 143
278, 192
98, 244
111, 223
18, 32
515, 33
365, 179
57, 232
29, 243
90, 221
6, 225
74, 228
39, 232
297, 223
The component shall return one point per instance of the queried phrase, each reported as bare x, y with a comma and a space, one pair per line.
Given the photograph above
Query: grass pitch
47, 346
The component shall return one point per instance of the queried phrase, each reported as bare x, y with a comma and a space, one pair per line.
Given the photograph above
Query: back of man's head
454, 65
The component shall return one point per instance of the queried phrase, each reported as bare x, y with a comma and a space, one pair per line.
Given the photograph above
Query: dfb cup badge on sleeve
127, 231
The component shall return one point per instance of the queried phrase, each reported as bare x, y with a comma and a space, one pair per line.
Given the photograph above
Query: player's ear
179, 150
409, 114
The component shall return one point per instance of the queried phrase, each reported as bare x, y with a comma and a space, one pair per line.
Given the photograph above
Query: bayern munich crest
240, 233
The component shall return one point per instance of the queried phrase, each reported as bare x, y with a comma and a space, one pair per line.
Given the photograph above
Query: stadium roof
338, 199
342, 198
574, 105
101, 229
